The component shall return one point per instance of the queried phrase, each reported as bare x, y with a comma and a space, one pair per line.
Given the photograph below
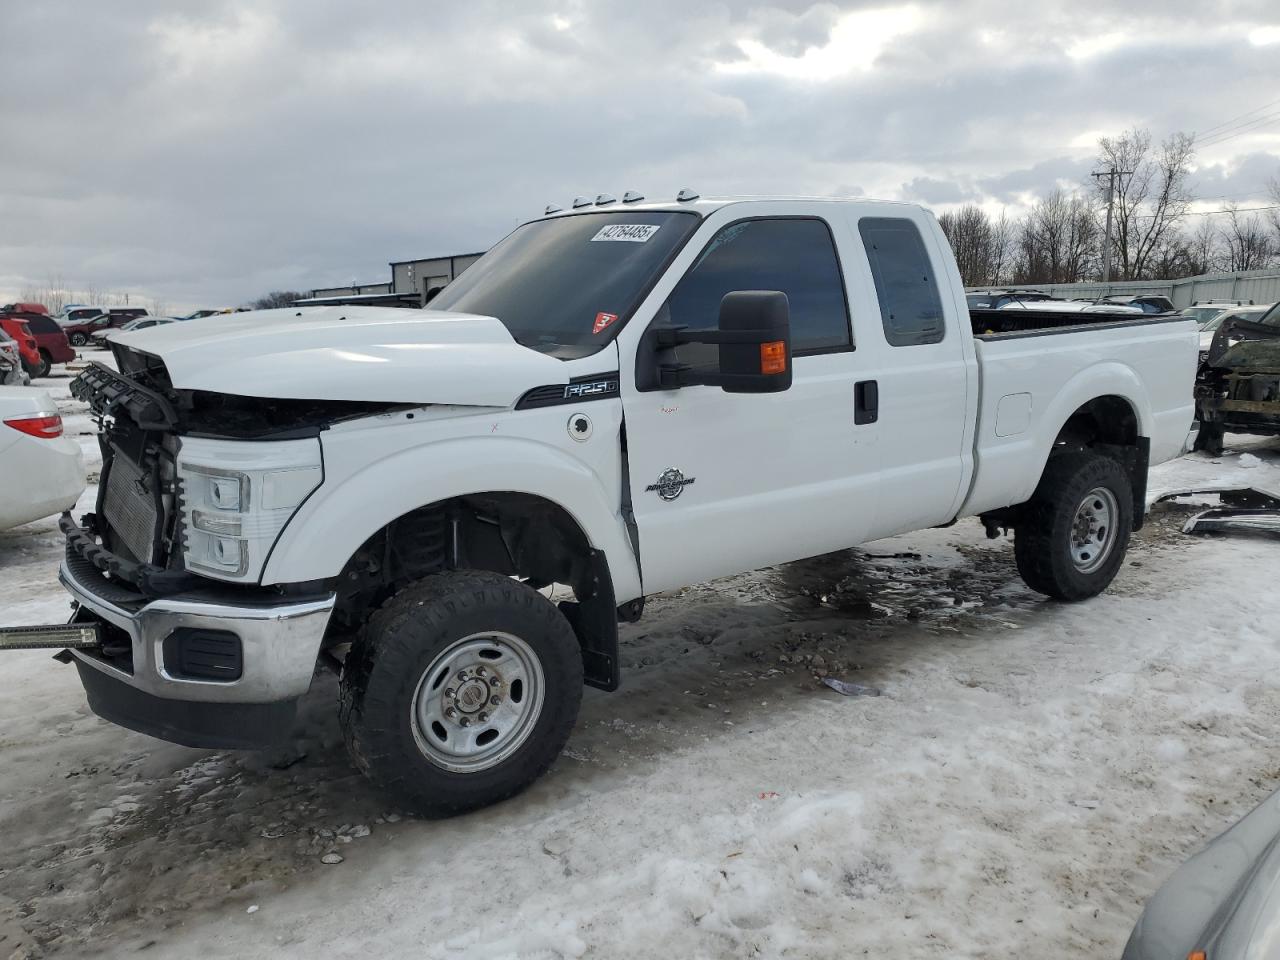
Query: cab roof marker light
552, 208
580, 202
604, 199
632, 196
685, 195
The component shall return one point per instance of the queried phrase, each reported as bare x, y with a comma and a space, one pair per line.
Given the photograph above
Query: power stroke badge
671, 484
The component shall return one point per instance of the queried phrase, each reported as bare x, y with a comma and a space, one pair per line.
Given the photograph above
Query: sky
204, 153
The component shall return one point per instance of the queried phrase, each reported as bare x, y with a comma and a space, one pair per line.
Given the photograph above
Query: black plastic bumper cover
217, 726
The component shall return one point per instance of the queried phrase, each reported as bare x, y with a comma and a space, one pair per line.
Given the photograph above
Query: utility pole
1111, 197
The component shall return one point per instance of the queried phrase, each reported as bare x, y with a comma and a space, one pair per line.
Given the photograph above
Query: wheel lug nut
450, 692
462, 675
496, 683
483, 717
450, 713
464, 722
494, 701
480, 671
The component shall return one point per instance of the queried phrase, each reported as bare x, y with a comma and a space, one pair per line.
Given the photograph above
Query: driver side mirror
754, 337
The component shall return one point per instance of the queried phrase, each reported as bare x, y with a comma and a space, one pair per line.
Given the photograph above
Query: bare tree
970, 233
1059, 241
1202, 245
1247, 241
1151, 200
277, 298
1002, 247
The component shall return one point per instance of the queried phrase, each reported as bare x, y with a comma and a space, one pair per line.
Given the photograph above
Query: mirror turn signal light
1196, 955
773, 357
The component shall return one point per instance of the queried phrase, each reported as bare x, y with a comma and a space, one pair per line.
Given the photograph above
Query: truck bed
1000, 324
1037, 367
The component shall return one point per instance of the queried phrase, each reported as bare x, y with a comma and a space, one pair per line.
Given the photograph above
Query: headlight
236, 498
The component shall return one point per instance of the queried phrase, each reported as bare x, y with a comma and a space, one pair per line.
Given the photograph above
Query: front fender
348, 508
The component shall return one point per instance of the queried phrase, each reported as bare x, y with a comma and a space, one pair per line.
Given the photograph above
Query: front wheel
460, 691
1073, 533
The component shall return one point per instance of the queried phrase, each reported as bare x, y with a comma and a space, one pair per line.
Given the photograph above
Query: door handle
866, 401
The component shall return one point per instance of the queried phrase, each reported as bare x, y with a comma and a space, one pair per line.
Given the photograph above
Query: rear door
723, 482
924, 369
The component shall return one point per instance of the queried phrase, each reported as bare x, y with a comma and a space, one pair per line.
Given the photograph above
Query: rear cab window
910, 304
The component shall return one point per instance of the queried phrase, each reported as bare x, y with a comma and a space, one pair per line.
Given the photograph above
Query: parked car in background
16, 327
79, 331
74, 314
1210, 327
42, 471
51, 341
1223, 903
11, 372
99, 337
1202, 311
1147, 303
28, 307
1072, 306
995, 299
200, 314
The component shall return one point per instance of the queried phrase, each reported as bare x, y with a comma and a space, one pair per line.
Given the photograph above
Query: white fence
1260, 286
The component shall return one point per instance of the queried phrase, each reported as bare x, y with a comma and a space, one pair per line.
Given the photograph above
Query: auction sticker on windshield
603, 321
627, 232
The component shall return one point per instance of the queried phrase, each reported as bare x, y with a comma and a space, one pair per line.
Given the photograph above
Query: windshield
565, 286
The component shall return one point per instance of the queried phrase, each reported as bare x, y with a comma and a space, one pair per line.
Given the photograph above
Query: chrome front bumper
280, 643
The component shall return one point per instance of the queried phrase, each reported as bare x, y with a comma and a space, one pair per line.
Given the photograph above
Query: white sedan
41, 471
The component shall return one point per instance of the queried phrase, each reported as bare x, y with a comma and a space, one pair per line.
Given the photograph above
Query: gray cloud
207, 151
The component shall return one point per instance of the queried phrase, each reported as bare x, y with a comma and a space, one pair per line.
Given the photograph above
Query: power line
1227, 123
1233, 132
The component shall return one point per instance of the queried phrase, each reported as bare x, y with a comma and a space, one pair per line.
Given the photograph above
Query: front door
724, 482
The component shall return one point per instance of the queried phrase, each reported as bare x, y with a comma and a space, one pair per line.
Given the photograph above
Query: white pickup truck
621, 398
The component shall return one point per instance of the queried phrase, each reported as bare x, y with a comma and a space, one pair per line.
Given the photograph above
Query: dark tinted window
797, 257
910, 307
41, 324
565, 286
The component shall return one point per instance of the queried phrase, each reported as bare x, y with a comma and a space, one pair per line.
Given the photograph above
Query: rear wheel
46, 364
1073, 533
79, 339
461, 691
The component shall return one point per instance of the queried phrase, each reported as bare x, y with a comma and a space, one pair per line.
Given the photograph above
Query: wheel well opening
1106, 420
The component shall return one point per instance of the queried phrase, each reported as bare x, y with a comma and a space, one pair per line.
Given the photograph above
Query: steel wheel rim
1093, 530
477, 702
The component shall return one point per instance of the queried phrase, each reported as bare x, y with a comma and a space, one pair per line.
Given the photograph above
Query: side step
60, 635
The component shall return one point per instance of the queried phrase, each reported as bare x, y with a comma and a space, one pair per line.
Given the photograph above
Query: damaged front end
151, 531
1237, 388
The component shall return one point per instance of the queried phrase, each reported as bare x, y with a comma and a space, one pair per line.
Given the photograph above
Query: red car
16, 327
43, 342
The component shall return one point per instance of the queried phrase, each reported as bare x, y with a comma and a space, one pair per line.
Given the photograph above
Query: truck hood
380, 354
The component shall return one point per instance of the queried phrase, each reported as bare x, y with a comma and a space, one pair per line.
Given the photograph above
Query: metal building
424, 275
354, 290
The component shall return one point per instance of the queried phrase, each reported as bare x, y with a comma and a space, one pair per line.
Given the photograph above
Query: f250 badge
671, 484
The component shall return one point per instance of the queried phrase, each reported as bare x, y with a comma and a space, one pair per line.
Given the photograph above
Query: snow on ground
1029, 775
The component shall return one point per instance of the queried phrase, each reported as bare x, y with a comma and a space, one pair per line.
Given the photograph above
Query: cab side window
910, 306
794, 255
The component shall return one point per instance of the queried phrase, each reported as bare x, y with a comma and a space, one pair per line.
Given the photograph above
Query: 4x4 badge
671, 484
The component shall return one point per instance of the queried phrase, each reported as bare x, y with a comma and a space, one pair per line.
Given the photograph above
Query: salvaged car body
1238, 385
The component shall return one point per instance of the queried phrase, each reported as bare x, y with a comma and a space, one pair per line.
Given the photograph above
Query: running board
61, 635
